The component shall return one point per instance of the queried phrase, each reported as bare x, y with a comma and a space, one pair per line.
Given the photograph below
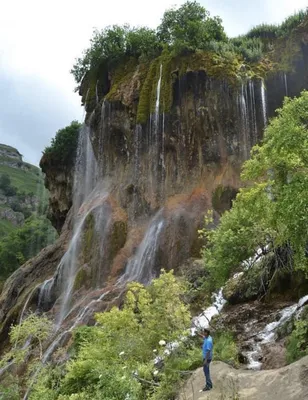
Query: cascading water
156, 140
268, 334
203, 320
253, 114
140, 267
85, 178
244, 121
285, 81
264, 103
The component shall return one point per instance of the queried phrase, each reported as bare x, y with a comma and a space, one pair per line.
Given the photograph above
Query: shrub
225, 348
297, 344
63, 148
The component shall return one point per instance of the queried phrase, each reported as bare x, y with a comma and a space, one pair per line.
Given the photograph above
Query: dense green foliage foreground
114, 360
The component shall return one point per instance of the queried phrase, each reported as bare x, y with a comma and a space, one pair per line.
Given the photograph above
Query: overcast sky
39, 41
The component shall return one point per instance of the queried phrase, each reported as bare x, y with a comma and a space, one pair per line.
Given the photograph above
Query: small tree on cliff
190, 27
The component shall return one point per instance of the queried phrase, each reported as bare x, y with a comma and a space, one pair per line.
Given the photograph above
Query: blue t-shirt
207, 346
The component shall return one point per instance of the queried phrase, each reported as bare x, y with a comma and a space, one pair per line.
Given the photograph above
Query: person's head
206, 333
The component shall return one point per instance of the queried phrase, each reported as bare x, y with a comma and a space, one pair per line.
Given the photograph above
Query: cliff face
141, 186
21, 189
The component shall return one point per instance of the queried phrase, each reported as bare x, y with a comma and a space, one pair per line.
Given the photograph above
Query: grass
24, 181
6, 227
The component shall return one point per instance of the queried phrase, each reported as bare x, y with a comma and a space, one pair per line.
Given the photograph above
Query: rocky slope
286, 383
20, 192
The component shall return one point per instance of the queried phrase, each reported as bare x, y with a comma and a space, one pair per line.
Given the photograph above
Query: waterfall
157, 104
140, 267
285, 81
67, 269
203, 320
268, 334
156, 141
244, 122
45, 294
264, 103
253, 113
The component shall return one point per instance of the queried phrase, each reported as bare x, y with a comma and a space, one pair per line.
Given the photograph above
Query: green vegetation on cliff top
188, 38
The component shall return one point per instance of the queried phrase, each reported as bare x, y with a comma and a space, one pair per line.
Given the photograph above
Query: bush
63, 148
225, 348
115, 359
6, 186
297, 343
23, 243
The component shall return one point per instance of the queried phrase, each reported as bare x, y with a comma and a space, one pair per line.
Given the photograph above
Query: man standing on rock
207, 352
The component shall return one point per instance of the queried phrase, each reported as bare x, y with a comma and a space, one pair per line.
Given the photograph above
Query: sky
39, 41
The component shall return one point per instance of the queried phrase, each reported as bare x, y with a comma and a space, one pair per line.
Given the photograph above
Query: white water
157, 104
140, 267
256, 258
285, 80
244, 121
253, 114
67, 268
44, 294
264, 103
203, 320
268, 334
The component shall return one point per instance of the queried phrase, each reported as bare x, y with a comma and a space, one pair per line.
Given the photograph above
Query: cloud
31, 111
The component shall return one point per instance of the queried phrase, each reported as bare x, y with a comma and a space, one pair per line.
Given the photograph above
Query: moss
222, 198
80, 279
88, 238
147, 93
117, 238
122, 74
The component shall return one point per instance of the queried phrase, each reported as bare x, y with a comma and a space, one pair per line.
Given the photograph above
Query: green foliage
273, 208
189, 28
115, 359
63, 148
270, 32
6, 186
297, 343
28, 180
225, 347
23, 243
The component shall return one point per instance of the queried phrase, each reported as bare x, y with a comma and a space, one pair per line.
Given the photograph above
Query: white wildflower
155, 372
122, 353
162, 343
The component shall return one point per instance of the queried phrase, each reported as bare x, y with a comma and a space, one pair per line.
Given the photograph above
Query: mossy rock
88, 238
222, 198
246, 287
82, 279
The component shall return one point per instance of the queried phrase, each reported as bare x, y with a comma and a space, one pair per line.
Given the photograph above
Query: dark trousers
206, 370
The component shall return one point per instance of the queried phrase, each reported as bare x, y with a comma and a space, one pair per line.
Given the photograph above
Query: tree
115, 359
63, 148
190, 27
6, 186
23, 243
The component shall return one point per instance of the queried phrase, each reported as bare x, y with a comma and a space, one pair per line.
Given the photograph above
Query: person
207, 353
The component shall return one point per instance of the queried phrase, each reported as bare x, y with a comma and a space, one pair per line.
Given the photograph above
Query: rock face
20, 194
287, 383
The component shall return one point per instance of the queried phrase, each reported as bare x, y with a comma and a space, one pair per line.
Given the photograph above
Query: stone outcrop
287, 383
